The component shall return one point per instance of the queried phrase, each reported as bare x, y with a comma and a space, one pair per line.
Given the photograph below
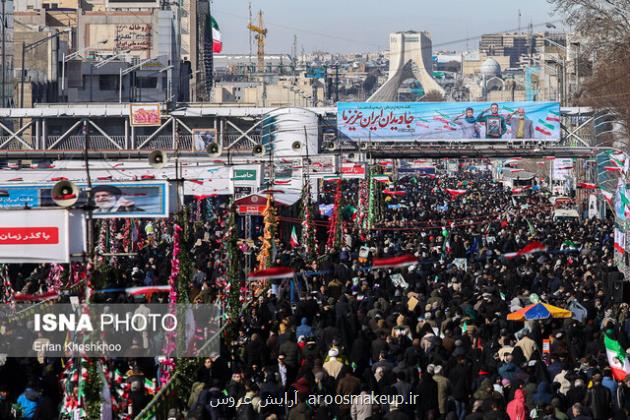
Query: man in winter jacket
443, 388
460, 379
598, 399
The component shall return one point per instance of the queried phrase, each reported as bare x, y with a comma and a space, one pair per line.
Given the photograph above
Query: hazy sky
364, 25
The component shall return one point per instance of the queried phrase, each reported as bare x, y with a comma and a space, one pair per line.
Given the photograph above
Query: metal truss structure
29, 133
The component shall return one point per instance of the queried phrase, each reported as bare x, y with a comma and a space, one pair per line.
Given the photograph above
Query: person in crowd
432, 336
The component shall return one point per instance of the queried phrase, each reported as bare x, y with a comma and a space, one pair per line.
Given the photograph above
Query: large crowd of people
343, 340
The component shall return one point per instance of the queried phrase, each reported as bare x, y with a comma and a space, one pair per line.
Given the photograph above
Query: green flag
532, 230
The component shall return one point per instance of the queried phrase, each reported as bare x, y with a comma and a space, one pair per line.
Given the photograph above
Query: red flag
390, 192
586, 185
395, 262
271, 273
454, 193
530, 248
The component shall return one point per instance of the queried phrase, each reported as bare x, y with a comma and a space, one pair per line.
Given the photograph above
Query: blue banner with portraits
437, 121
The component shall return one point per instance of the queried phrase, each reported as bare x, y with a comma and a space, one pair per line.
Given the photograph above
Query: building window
108, 82
147, 82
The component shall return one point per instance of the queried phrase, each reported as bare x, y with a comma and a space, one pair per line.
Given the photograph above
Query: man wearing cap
109, 199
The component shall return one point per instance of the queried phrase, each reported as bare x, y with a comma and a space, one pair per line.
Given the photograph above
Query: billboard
562, 169
138, 199
320, 165
202, 138
352, 170
144, 115
41, 235
437, 121
207, 181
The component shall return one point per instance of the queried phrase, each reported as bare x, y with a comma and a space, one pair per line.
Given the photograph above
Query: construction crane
261, 33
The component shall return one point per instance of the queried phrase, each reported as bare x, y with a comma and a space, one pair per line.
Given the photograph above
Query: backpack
245, 412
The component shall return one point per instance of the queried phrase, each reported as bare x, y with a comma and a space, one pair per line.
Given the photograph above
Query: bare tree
606, 23
604, 26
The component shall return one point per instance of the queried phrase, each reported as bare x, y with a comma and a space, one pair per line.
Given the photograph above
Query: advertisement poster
138, 199
207, 181
562, 168
320, 165
438, 121
41, 235
351, 170
144, 115
202, 138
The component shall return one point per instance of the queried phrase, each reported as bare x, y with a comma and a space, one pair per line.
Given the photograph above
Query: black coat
428, 390
599, 401
460, 378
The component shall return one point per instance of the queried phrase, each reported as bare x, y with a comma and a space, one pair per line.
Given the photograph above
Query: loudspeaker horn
157, 159
364, 146
258, 150
65, 193
214, 149
330, 146
296, 146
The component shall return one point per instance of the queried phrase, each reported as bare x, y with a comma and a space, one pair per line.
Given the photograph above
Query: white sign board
41, 235
562, 168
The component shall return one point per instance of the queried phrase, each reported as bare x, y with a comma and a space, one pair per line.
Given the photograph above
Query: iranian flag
544, 127
553, 117
395, 262
586, 185
217, 42
530, 248
118, 377
294, 238
617, 358
149, 385
607, 196
613, 168
396, 193
381, 178
454, 193
272, 273
618, 160
620, 241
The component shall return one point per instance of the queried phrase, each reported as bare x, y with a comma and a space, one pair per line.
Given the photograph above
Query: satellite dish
157, 159
65, 193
